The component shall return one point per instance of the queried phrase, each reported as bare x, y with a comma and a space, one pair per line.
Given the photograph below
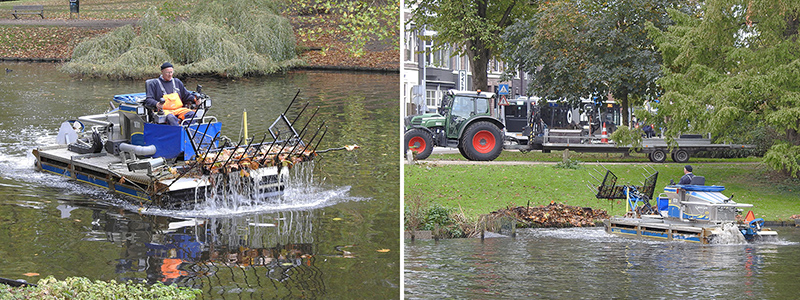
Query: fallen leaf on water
31, 274
383, 250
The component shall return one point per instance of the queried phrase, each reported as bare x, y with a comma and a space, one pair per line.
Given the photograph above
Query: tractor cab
465, 120
462, 107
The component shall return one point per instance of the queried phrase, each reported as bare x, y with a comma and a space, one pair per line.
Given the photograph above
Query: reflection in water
266, 255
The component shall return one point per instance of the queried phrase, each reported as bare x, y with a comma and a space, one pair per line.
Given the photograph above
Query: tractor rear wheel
462, 151
420, 141
482, 141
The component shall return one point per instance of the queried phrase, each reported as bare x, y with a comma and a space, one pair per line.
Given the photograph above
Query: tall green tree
577, 48
473, 27
733, 68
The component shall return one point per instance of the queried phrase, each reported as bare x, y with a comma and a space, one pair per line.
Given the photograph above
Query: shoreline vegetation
82, 288
293, 35
460, 199
248, 41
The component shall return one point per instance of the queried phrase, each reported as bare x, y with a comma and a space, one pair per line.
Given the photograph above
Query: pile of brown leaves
555, 215
795, 217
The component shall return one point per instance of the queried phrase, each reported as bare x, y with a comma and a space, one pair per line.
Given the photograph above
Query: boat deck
656, 227
110, 172
101, 163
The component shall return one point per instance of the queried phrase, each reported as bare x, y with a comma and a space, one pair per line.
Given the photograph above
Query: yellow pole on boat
627, 201
244, 122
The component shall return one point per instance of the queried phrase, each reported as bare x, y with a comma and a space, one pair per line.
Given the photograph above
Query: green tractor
464, 121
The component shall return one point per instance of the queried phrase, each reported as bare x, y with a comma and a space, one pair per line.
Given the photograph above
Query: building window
428, 53
441, 58
410, 47
431, 99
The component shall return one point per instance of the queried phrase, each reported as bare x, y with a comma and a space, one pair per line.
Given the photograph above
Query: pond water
324, 248
587, 263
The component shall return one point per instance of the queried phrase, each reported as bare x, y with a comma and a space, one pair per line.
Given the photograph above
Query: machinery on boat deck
127, 150
692, 213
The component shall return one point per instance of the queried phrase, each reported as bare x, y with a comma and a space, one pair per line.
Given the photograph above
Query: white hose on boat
138, 150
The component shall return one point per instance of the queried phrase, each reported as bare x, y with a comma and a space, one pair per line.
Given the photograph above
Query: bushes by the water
442, 221
78, 288
226, 38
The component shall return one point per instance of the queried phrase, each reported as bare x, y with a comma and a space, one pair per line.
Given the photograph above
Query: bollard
514, 228
483, 229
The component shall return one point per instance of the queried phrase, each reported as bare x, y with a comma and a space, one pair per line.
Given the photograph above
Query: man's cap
688, 168
166, 65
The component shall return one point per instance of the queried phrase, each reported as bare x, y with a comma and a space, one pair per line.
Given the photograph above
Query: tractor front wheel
419, 141
482, 141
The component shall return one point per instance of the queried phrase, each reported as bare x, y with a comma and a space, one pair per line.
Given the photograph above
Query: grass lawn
483, 188
556, 156
100, 9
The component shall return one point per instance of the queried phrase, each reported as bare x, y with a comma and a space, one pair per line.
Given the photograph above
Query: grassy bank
480, 189
319, 33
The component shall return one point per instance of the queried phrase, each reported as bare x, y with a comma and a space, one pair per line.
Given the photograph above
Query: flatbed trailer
655, 148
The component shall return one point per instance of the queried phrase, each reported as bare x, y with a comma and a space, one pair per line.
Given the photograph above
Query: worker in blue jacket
168, 94
687, 175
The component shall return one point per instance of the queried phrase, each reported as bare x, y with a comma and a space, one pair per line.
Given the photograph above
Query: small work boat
692, 213
127, 151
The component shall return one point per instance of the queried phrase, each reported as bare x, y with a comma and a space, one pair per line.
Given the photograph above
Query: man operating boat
168, 94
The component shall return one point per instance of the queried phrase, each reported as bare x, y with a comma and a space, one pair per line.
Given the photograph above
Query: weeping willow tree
231, 38
733, 69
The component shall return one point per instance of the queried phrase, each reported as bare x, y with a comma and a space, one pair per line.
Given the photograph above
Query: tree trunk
793, 136
623, 104
478, 56
478, 52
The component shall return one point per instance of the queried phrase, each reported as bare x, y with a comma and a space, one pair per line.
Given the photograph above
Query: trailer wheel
658, 156
680, 156
482, 141
419, 140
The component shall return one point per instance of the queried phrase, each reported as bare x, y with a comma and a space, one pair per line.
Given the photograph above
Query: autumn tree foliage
576, 48
733, 69
473, 27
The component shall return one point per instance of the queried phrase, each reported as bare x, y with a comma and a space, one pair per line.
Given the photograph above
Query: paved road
444, 150
91, 24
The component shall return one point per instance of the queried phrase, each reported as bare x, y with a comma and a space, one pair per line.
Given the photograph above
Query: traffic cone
604, 134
